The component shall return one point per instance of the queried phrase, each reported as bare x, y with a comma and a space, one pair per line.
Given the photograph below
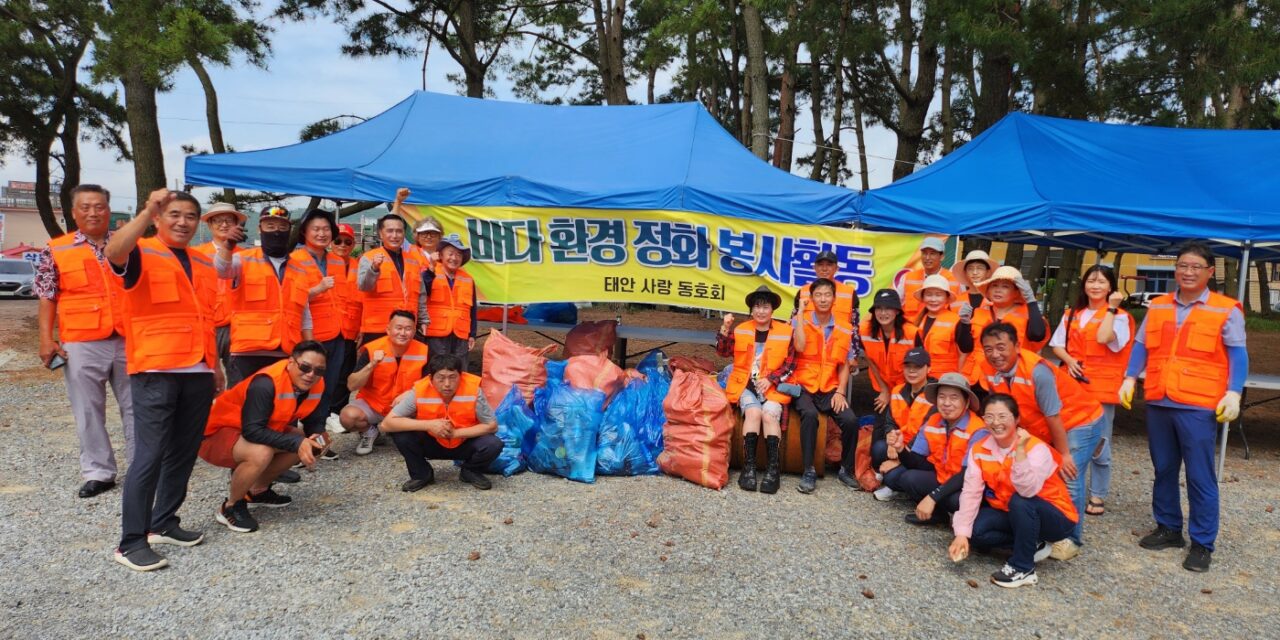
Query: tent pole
1241, 291
504, 319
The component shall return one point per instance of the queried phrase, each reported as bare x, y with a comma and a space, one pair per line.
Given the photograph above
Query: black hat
826, 256
887, 299
763, 291
917, 356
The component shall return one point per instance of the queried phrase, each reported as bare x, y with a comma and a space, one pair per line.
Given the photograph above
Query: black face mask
275, 243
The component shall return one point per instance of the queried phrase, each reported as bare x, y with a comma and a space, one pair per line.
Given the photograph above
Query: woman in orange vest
1092, 341
389, 278
886, 336
1010, 300
763, 357
908, 408
350, 297
931, 250
251, 432
446, 311
931, 470
1012, 496
822, 347
445, 418
385, 368
976, 267
941, 331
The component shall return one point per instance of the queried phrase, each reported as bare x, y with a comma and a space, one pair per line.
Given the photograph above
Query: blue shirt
1233, 335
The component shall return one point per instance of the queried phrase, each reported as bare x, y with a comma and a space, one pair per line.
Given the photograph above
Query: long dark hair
1082, 299
899, 321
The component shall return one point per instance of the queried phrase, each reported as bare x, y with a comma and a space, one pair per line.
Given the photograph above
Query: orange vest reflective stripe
911, 283
351, 306
227, 408
90, 301
985, 317
997, 475
1078, 406
392, 292
168, 324
841, 307
948, 447
817, 369
886, 352
1103, 367
301, 274
744, 354
392, 376
940, 342
257, 305
461, 410
908, 417
222, 303
450, 307
1187, 364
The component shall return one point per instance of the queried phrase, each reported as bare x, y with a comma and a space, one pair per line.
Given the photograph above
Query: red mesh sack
515, 315
508, 363
590, 338
595, 371
696, 435
833, 448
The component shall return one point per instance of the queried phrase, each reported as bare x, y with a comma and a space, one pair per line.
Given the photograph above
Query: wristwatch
1112, 310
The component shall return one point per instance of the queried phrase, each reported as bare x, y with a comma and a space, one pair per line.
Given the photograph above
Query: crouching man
444, 417
251, 431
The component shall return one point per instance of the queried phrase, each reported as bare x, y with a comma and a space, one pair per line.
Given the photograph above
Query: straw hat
977, 254
1012, 274
221, 208
935, 281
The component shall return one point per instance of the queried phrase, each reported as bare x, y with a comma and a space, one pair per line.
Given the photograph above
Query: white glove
966, 312
1024, 287
1229, 407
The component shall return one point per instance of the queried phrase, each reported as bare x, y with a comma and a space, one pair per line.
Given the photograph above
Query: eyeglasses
344, 241
1191, 268
223, 221
308, 369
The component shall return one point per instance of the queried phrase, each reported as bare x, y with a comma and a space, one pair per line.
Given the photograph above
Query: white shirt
1083, 317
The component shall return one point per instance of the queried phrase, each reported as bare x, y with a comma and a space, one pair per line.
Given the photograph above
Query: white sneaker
365, 446
885, 494
333, 424
1064, 549
1042, 551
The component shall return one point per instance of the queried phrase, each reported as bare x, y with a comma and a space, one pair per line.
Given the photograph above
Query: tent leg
1222, 450
1241, 291
504, 319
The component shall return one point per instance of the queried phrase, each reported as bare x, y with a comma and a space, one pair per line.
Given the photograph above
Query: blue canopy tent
461, 151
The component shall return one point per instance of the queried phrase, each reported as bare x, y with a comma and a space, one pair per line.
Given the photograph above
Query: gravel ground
623, 558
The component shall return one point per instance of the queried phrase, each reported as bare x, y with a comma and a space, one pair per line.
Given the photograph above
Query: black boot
770, 482
747, 479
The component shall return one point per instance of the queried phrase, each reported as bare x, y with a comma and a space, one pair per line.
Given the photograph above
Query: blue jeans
1100, 464
1027, 523
1177, 437
1082, 441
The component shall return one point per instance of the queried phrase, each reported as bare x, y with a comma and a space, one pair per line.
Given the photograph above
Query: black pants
418, 448
342, 396
334, 351
169, 415
812, 406
244, 366
450, 344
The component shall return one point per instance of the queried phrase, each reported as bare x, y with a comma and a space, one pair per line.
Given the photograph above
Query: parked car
1142, 299
17, 277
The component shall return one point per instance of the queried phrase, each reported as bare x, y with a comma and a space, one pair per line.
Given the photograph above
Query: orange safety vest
90, 304
948, 447
886, 352
911, 283
1103, 367
744, 354
842, 307
227, 408
997, 475
168, 324
461, 410
222, 303
392, 376
301, 273
940, 342
985, 317
1078, 406
351, 306
817, 369
257, 302
450, 307
392, 292
908, 417
1189, 363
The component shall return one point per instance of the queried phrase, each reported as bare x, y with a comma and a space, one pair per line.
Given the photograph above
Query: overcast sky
308, 79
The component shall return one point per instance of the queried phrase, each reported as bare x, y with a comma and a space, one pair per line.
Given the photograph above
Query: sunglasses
307, 369
344, 241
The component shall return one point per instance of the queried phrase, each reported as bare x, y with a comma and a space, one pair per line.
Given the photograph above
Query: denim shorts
749, 400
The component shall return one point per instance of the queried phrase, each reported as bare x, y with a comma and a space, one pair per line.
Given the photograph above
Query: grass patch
1261, 323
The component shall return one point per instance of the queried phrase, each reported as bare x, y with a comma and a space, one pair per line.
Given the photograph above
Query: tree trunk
653, 77
144, 133
473, 69
784, 145
948, 121
40, 157
913, 108
1264, 289
1038, 261
613, 76
737, 88
758, 79
835, 155
1231, 278
815, 109
1014, 254
995, 74
211, 114
70, 136
1068, 282
975, 244
862, 141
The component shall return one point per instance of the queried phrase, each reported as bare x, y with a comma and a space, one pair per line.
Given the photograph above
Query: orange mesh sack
508, 363
696, 435
590, 338
595, 372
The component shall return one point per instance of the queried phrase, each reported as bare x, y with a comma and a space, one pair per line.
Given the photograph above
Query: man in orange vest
822, 368
251, 431
385, 368
445, 418
931, 250
223, 219
906, 413
1192, 345
74, 287
446, 308
257, 296
1054, 408
389, 278
845, 306
173, 369
342, 247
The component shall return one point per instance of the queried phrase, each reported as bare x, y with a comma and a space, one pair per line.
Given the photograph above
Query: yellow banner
523, 255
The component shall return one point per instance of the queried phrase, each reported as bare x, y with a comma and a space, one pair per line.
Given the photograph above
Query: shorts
216, 448
748, 400
372, 416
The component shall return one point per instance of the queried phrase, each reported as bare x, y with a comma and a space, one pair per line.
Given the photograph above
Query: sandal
1095, 507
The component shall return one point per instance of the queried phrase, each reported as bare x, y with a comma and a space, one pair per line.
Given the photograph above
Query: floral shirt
46, 280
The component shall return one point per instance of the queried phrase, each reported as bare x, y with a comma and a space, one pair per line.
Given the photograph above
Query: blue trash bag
722, 378
565, 439
561, 312
515, 419
657, 382
624, 450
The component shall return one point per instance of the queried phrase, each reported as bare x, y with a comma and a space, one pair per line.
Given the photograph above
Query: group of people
972, 424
